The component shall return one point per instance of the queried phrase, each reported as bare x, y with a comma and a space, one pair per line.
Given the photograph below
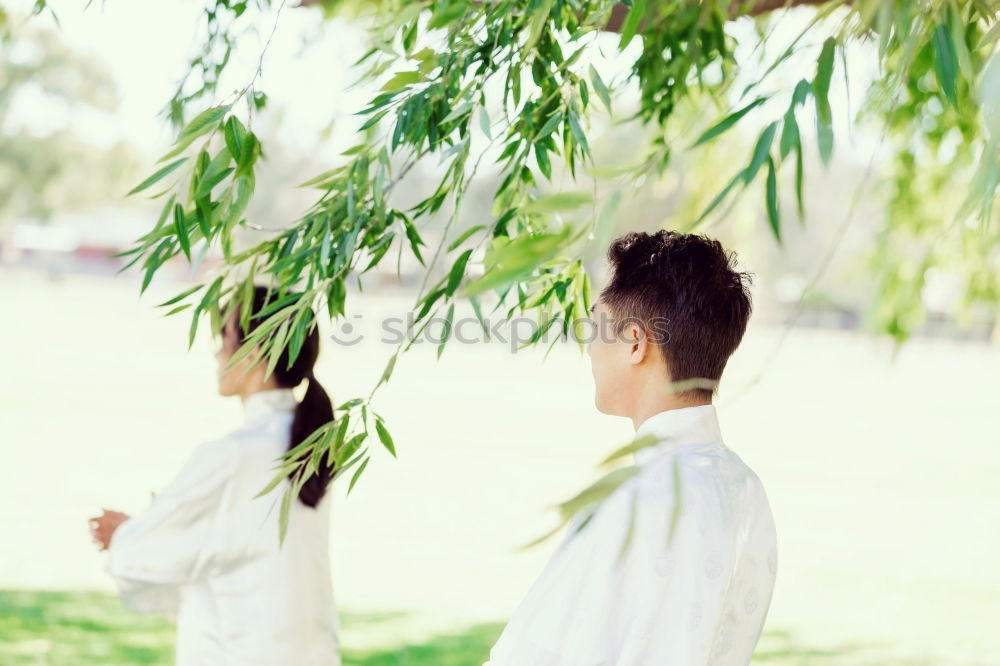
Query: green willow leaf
484, 123
946, 63
350, 404
761, 152
415, 240
545, 537
675, 515
542, 158
446, 333
824, 136
385, 437
158, 176
446, 16
801, 92
558, 202
550, 125
203, 123
387, 372
631, 24
721, 196
298, 338
180, 225
789, 134
249, 151
193, 330
272, 484
824, 72
990, 37
643, 442
464, 236
517, 259
401, 80
340, 471
234, 133
581, 138
728, 122
284, 513
821, 92
601, 89
181, 296
457, 272
478, 311
599, 490
799, 177
630, 531
340, 434
179, 308
357, 475
773, 214
539, 17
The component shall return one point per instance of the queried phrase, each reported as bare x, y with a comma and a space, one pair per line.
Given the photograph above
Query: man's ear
637, 340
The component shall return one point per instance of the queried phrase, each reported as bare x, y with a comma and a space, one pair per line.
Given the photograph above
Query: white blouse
623, 592
208, 553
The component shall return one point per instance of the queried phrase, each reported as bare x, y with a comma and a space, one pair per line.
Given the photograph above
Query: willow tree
460, 80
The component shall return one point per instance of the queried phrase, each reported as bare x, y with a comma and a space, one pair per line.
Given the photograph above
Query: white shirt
207, 552
697, 599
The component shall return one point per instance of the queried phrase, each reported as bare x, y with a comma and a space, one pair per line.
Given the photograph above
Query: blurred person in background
677, 566
208, 552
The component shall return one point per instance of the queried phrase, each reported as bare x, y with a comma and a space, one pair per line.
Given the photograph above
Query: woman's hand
103, 527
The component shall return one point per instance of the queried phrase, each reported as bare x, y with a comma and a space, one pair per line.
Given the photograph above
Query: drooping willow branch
434, 61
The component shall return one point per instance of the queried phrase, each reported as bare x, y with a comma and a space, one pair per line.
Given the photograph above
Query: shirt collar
265, 402
679, 427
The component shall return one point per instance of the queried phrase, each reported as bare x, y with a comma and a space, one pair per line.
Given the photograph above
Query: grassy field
92, 629
46, 628
881, 473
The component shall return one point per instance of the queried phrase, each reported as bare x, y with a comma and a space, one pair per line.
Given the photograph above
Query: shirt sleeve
154, 553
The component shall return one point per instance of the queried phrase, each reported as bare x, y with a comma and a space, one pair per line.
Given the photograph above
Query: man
676, 566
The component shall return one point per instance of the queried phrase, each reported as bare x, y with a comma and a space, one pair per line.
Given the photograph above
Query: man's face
610, 363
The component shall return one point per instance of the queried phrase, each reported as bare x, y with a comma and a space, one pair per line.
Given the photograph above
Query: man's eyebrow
593, 306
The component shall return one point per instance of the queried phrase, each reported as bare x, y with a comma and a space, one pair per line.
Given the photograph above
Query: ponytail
313, 411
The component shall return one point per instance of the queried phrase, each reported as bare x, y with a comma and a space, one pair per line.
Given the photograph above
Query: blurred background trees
46, 167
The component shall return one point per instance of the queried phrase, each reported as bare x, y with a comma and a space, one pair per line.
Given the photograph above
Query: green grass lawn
91, 629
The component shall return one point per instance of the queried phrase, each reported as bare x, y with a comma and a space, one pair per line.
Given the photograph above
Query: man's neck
646, 409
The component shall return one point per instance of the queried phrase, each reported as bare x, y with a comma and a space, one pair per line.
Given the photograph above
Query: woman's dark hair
687, 284
315, 408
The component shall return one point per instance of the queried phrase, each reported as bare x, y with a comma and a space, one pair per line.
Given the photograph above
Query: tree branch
736, 8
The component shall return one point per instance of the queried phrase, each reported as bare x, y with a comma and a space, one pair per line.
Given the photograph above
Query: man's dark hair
686, 286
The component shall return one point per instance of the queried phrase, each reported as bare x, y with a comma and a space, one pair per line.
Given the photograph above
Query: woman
208, 552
